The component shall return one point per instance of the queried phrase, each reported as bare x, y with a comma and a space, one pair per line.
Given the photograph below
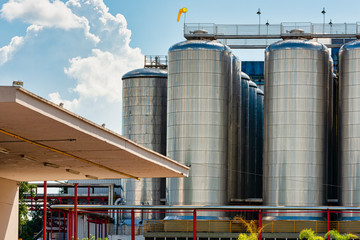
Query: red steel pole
328, 221
194, 224
51, 224
260, 224
59, 216
44, 217
132, 224
75, 211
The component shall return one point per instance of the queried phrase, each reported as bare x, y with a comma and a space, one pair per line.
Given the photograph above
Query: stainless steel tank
197, 125
259, 143
349, 109
144, 122
251, 155
295, 115
234, 131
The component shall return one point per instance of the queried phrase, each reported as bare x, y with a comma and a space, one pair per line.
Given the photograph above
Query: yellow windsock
181, 11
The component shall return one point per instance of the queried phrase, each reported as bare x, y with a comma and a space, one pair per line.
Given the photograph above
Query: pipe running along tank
349, 109
295, 115
197, 126
144, 122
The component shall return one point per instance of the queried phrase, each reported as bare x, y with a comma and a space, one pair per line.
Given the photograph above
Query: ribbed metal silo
243, 138
295, 115
235, 185
197, 120
251, 155
349, 109
259, 143
144, 122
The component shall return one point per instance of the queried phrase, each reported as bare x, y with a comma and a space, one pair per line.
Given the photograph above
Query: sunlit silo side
251, 155
197, 120
259, 143
349, 108
295, 115
144, 122
234, 131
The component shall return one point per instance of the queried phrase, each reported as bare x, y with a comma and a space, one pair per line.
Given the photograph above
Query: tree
251, 227
25, 188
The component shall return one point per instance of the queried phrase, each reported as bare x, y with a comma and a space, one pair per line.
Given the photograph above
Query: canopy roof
40, 141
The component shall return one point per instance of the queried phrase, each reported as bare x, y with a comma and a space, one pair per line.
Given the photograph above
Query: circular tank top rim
200, 44
252, 84
245, 76
351, 45
145, 72
259, 91
296, 44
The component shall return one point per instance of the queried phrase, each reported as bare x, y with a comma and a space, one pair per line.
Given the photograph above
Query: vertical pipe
132, 224
194, 224
328, 222
69, 225
45, 203
75, 211
260, 224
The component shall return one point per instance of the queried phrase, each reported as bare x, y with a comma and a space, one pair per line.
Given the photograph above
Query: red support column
45, 208
132, 224
51, 224
328, 221
260, 224
59, 217
75, 211
70, 224
194, 224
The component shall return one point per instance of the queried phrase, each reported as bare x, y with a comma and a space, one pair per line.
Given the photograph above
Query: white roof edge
75, 121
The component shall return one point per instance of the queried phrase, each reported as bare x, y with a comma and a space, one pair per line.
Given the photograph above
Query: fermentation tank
197, 124
295, 115
251, 155
144, 122
259, 143
234, 131
349, 108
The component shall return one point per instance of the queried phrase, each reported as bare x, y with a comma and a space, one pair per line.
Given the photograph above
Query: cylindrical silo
295, 131
243, 138
144, 122
234, 131
251, 155
349, 109
197, 121
259, 143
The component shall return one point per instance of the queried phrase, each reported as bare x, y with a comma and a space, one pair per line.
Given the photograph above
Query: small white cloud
53, 14
70, 105
7, 52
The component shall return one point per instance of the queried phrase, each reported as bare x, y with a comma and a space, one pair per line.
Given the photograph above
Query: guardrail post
194, 224
260, 224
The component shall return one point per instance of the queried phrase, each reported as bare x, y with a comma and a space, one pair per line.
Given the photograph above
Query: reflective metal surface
197, 119
144, 122
349, 108
251, 155
235, 185
259, 142
295, 115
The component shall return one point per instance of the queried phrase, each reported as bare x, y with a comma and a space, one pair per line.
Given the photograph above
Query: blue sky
75, 51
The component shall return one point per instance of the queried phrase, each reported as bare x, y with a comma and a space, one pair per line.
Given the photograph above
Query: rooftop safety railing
272, 30
260, 36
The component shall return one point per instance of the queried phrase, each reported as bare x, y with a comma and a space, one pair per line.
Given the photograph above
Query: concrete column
9, 209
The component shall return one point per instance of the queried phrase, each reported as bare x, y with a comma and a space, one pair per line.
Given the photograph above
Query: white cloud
47, 14
6, 52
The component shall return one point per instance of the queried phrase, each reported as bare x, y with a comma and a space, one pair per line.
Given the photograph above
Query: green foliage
251, 227
309, 234
336, 235
24, 189
32, 226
